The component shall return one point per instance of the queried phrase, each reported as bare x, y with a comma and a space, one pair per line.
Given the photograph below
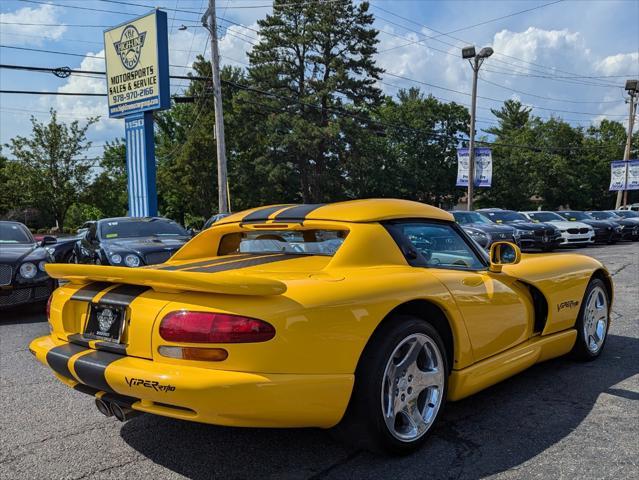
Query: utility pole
210, 23
632, 87
475, 61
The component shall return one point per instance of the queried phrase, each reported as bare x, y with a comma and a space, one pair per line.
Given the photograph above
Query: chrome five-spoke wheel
595, 322
413, 387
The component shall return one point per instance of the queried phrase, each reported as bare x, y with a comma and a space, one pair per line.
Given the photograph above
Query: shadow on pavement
496, 430
29, 313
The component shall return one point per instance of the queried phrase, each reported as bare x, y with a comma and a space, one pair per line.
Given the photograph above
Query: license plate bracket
106, 322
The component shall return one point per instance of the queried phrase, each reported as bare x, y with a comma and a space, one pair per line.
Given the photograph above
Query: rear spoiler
168, 281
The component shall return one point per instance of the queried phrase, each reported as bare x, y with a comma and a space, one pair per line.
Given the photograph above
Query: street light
475, 60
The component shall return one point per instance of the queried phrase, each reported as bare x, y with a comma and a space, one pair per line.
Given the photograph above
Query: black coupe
532, 235
482, 230
130, 242
23, 278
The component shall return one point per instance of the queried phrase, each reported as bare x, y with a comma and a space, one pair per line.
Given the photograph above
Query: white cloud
619, 64
14, 31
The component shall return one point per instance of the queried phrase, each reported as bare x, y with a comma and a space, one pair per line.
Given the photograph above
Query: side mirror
48, 240
503, 253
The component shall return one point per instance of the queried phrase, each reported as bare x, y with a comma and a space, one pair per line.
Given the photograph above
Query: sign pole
626, 153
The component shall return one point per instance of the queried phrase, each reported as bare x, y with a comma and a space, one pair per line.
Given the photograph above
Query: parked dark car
605, 231
23, 278
483, 230
130, 242
62, 249
532, 235
629, 226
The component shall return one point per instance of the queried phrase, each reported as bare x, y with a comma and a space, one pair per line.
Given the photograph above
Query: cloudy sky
567, 58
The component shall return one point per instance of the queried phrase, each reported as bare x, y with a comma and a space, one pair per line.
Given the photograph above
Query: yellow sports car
363, 315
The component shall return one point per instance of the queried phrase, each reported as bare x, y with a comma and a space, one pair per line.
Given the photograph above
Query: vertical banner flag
483, 167
633, 175
618, 175
137, 73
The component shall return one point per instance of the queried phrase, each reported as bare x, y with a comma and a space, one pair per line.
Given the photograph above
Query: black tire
582, 351
363, 425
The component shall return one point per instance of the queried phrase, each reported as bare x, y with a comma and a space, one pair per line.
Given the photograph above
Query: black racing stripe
91, 368
118, 348
228, 258
58, 358
244, 263
263, 213
85, 389
298, 212
88, 292
122, 400
79, 339
123, 295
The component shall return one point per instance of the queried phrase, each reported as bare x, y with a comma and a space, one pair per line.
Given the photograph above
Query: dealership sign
137, 65
137, 74
624, 175
483, 167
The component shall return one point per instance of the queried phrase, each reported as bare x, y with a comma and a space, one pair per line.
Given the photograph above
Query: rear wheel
400, 386
593, 322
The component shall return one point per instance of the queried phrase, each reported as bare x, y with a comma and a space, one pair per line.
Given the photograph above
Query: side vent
541, 307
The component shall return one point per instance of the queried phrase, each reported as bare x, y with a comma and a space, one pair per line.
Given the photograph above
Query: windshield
140, 228
295, 242
574, 216
545, 216
464, 218
14, 233
603, 216
505, 216
627, 214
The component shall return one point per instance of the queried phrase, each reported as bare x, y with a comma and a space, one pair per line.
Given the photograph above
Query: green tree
511, 116
51, 161
108, 191
313, 58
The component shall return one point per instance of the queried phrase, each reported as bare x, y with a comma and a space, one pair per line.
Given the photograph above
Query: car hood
16, 253
565, 224
493, 229
532, 226
144, 245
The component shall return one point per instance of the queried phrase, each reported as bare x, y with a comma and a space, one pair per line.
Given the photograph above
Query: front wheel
400, 387
593, 322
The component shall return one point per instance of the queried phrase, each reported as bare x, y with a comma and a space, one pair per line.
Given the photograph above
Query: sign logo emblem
129, 48
106, 319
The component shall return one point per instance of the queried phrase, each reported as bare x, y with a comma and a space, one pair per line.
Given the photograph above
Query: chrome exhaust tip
123, 414
103, 407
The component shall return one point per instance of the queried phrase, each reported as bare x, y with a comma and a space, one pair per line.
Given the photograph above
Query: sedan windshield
545, 216
125, 228
627, 214
501, 216
295, 242
14, 233
604, 216
574, 216
464, 218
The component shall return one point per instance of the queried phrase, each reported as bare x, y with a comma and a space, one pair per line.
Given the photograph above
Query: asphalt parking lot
560, 419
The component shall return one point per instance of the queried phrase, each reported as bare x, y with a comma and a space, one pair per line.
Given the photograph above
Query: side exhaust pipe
103, 407
124, 414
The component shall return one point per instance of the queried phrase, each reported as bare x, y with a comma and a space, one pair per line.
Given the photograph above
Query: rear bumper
199, 394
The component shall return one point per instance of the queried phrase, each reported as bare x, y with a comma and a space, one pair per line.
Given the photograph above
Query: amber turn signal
194, 353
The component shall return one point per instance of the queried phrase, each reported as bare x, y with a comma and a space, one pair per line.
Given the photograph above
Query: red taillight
210, 327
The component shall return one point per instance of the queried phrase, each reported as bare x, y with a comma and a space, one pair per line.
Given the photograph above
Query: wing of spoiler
229, 283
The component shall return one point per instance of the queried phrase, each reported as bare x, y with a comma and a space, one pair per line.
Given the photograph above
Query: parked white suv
572, 233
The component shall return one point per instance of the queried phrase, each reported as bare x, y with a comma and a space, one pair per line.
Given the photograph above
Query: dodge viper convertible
365, 315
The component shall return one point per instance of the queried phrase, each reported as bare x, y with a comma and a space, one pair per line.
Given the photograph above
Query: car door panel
497, 311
